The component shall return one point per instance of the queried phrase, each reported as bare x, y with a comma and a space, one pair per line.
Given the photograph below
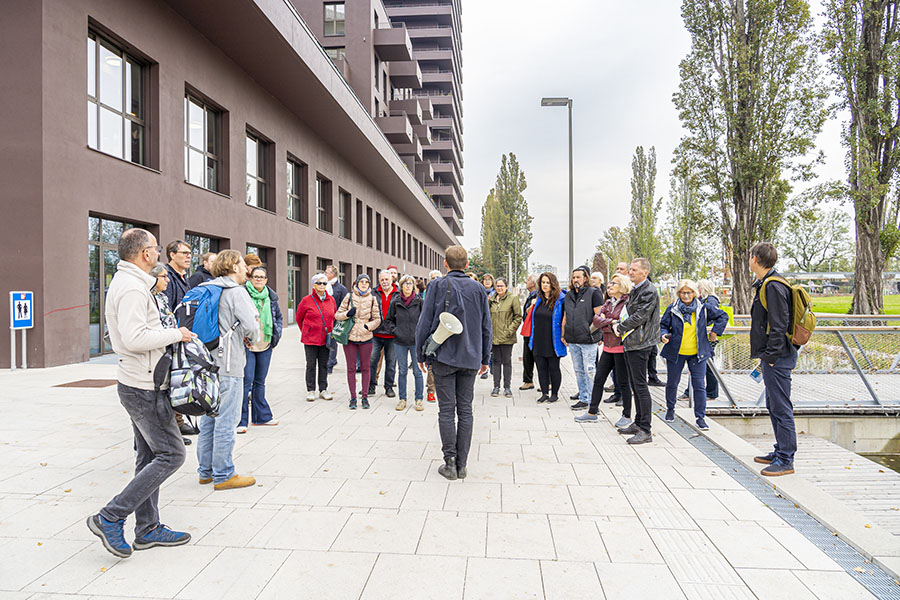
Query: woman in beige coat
362, 306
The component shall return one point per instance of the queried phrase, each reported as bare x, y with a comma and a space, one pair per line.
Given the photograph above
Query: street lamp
567, 102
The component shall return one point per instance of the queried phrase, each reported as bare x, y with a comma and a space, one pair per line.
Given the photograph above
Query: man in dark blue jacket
459, 359
769, 330
337, 291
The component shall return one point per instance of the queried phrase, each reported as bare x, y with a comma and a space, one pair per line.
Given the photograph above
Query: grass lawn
841, 304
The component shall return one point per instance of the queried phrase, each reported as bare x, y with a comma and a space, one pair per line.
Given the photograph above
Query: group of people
394, 325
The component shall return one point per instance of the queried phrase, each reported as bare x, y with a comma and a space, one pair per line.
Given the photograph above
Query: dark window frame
220, 155
263, 178
324, 203
334, 27
345, 214
297, 190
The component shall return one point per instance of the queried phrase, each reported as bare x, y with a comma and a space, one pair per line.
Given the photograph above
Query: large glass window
202, 149
200, 245
336, 53
295, 284
323, 203
103, 258
257, 149
117, 101
344, 215
297, 209
334, 18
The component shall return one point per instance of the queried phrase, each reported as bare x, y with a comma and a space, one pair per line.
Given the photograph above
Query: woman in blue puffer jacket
683, 331
545, 340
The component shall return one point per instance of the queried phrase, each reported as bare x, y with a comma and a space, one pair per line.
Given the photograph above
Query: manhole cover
88, 383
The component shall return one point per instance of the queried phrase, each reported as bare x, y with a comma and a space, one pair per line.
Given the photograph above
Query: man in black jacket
202, 275
580, 305
639, 332
459, 359
770, 330
178, 253
527, 354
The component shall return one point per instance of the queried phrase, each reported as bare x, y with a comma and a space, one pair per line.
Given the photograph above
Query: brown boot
236, 481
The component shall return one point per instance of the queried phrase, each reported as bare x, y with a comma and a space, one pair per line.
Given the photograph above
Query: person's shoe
619, 402
326, 395
269, 423
579, 405
372, 390
670, 415
553, 398
484, 375
684, 397
401, 405
712, 398
613, 399
543, 398
431, 398
586, 418
311, 396
235, 482
187, 441
365, 403
352, 403
764, 460
641, 437
575, 396
448, 469
242, 429
655, 383
204, 480
630, 430
111, 533
389, 392
622, 423
495, 392
188, 429
777, 468
609, 388
330, 370
526, 386
419, 405
507, 392
161, 536
701, 424
461, 472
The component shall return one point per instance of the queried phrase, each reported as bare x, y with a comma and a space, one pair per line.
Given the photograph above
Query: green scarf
264, 308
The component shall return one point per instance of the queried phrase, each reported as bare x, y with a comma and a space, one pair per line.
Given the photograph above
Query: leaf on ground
40, 543
43, 464
382, 493
103, 569
67, 491
859, 569
868, 526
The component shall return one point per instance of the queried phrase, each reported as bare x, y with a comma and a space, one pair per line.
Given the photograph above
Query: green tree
861, 39
476, 262
691, 233
505, 222
615, 246
644, 209
752, 102
815, 238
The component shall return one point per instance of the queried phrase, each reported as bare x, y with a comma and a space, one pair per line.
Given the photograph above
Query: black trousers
502, 362
549, 375
636, 363
527, 363
652, 375
455, 388
316, 360
608, 362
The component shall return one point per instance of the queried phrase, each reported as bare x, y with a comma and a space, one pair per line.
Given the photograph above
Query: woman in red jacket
315, 318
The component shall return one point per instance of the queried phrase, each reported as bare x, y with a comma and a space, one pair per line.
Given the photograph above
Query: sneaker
461, 472
161, 536
701, 424
188, 429
543, 398
419, 405
187, 441
495, 392
507, 392
326, 395
612, 399
372, 390
235, 482
586, 418
242, 429
448, 469
431, 398
575, 396
622, 423
269, 423
764, 460
352, 403
609, 388
389, 392
777, 468
401, 405
619, 402
670, 415
311, 396
484, 375
684, 397
655, 383
579, 405
205, 480
526, 386
641, 437
111, 533
630, 430
553, 398
365, 403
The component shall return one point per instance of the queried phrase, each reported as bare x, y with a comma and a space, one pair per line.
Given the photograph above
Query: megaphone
447, 325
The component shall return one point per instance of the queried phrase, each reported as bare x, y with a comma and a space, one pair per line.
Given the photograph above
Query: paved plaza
349, 505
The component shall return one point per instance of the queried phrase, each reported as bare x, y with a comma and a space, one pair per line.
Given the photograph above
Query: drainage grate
874, 579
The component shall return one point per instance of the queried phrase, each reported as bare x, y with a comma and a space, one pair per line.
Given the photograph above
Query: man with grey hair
139, 338
384, 338
527, 354
336, 290
433, 275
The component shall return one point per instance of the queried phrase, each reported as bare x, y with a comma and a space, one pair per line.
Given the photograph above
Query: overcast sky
618, 61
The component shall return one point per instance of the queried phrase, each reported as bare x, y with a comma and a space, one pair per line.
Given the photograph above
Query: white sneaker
242, 430
270, 423
326, 395
310, 396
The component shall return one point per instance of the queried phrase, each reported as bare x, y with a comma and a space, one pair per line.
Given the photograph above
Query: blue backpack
199, 312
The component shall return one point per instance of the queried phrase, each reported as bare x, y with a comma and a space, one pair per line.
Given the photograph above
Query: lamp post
567, 102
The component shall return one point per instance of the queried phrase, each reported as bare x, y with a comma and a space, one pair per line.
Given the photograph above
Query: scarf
407, 300
686, 310
360, 292
264, 308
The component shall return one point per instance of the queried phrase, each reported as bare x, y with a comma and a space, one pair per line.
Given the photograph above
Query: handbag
341, 331
329, 341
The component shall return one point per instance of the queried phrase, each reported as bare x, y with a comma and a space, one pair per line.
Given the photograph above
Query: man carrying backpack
770, 328
139, 338
238, 326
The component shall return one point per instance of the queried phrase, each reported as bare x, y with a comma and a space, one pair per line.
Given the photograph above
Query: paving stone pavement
349, 505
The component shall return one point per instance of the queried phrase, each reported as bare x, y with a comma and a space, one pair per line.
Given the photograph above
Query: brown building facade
221, 123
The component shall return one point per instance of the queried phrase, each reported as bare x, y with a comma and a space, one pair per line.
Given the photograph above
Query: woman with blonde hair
708, 296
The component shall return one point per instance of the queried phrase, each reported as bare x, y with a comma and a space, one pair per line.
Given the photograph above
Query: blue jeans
254, 399
216, 440
584, 360
778, 400
390, 361
405, 354
697, 369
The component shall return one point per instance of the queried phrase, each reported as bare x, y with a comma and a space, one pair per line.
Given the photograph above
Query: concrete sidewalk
349, 505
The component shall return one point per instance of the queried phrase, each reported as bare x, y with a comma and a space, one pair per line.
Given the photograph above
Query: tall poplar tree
505, 222
644, 208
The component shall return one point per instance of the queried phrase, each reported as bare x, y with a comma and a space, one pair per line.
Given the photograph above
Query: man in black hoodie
202, 275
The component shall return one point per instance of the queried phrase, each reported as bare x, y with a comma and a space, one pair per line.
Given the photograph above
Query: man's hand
565, 343
666, 338
713, 337
186, 334
421, 367
482, 370
615, 328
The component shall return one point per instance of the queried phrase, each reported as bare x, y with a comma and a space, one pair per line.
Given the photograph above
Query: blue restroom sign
21, 310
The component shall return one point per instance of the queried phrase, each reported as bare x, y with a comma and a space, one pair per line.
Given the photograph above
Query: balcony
393, 43
424, 173
396, 128
431, 32
406, 74
411, 106
446, 194
452, 219
427, 110
399, 11
446, 123
442, 76
449, 168
413, 149
423, 132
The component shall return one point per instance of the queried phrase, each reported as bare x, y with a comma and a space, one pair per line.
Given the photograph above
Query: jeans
390, 361
503, 353
608, 363
636, 364
332, 358
527, 363
254, 399
584, 360
159, 453
405, 354
777, 379
455, 391
651, 364
549, 375
358, 353
316, 360
216, 440
697, 369
712, 384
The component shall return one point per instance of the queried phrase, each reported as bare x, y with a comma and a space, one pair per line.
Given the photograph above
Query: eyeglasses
157, 248
162, 276
260, 277
184, 252
320, 283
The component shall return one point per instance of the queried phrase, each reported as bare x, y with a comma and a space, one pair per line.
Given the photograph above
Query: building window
117, 101
322, 264
202, 147
336, 53
323, 203
297, 209
344, 215
345, 273
296, 283
378, 231
103, 260
393, 239
200, 245
369, 239
257, 176
334, 18
359, 221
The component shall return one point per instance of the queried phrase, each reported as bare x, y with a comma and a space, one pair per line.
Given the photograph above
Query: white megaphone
448, 325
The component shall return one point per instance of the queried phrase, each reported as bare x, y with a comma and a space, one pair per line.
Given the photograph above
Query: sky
618, 61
